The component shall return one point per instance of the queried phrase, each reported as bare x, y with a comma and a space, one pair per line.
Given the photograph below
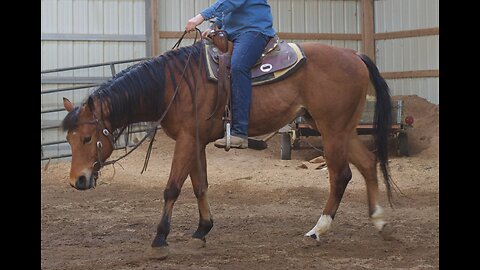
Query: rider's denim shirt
237, 16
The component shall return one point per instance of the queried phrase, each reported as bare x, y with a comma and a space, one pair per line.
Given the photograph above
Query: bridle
101, 129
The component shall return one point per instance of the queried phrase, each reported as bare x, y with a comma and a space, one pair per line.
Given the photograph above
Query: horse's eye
87, 140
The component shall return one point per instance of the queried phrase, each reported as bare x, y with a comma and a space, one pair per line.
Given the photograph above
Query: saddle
279, 59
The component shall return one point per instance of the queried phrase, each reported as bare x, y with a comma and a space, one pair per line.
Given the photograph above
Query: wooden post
151, 31
368, 34
368, 29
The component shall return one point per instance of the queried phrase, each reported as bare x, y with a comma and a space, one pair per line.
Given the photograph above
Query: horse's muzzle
83, 182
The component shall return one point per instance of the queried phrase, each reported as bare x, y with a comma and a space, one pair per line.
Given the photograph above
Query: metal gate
54, 148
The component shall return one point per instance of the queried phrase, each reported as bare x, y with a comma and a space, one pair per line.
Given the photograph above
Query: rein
152, 131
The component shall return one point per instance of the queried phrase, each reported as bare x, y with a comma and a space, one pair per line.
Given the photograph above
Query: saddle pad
278, 64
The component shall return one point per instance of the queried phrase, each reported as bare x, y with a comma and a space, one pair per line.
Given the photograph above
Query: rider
249, 25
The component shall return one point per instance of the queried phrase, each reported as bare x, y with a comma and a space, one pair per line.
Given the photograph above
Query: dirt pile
423, 136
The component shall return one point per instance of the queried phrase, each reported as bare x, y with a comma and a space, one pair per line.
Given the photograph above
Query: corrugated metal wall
408, 54
318, 16
100, 23
290, 16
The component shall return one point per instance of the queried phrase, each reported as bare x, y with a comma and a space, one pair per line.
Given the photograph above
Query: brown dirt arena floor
261, 206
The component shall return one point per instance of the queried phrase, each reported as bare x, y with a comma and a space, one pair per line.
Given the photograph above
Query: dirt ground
261, 205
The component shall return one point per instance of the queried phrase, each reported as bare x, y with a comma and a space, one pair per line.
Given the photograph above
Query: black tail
382, 120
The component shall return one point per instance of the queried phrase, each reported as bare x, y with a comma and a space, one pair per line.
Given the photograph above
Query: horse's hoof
195, 243
158, 253
387, 232
308, 241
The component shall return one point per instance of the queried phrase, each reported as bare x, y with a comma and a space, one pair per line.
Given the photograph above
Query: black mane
140, 88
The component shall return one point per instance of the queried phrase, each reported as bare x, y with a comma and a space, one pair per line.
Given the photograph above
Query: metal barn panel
200, 5
432, 45
422, 51
380, 54
407, 54
401, 15
311, 16
325, 16
139, 50
187, 11
396, 15
433, 90
80, 57
49, 55
125, 15
274, 8
414, 53
172, 16
110, 52
80, 17
338, 17
433, 13
65, 56
139, 18
125, 51
413, 14
284, 16
354, 45
65, 12
407, 51
397, 54
388, 56
95, 17
387, 9
298, 16
337, 43
405, 11
379, 16
162, 18
423, 88
352, 17
49, 16
95, 55
79, 96
48, 100
110, 17
394, 90
422, 14
427, 88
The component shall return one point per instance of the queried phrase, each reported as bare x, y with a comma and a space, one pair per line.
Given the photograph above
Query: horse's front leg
182, 163
200, 187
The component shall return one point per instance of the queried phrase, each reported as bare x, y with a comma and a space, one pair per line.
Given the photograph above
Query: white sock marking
377, 218
322, 227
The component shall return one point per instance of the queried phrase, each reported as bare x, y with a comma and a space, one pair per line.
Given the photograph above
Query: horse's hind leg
335, 149
366, 162
182, 164
200, 187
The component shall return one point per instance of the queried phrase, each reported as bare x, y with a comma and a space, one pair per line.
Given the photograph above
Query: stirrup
227, 136
228, 119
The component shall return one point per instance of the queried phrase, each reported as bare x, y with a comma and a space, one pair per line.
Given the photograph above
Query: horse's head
91, 141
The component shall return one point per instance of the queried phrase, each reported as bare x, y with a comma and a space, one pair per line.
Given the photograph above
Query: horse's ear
67, 104
90, 104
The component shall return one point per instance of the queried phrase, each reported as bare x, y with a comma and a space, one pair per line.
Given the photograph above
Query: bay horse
331, 87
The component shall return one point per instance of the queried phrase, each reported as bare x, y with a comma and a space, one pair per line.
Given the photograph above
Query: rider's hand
193, 22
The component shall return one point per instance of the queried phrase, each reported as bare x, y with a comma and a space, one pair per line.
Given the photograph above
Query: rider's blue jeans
247, 49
